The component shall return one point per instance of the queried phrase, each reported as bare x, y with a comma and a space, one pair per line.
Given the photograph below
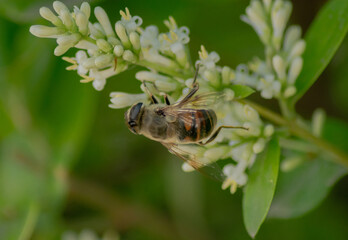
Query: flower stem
339, 156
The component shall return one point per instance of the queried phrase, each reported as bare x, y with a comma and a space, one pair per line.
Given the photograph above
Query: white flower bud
289, 91
113, 41
104, 60
253, 129
121, 33
256, 18
166, 85
61, 49
118, 50
47, 14
103, 19
180, 54
279, 66
147, 76
135, 40
187, 167
95, 31
268, 130
155, 57
291, 36
129, 56
280, 15
212, 77
216, 153
259, 145
69, 40
122, 100
297, 49
318, 120
250, 113
82, 22
84, 44
99, 84
295, 69
86, 9
59, 6
104, 45
44, 31
226, 75
89, 63
228, 94
67, 19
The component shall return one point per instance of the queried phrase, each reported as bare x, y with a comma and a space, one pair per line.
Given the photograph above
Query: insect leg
193, 90
196, 75
166, 99
216, 133
153, 99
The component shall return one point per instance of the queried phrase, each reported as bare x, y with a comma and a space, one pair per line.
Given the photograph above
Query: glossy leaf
260, 189
323, 39
304, 188
241, 91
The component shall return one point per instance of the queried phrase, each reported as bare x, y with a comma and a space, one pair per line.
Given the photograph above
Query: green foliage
241, 91
322, 40
303, 188
46, 117
259, 192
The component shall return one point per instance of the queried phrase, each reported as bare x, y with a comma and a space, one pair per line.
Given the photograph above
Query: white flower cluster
87, 234
276, 76
108, 51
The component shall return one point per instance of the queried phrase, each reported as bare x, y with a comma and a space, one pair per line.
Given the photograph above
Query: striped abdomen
196, 124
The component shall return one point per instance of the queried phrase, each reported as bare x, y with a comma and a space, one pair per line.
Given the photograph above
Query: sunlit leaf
260, 189
305, 187
323, 39
241, 91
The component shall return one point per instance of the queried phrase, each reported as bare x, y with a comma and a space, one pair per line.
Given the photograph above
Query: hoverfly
188, 121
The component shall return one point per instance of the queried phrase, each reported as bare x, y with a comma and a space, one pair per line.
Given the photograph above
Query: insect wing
203, 100
209, 169
185, 110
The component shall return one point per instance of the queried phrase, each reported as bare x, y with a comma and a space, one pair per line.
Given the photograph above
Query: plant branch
339, 156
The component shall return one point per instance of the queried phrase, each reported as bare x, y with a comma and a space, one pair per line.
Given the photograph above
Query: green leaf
323, 39
260, 189
241, 91
304, 188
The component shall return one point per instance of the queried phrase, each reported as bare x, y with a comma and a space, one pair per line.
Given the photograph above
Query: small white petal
129, 56
44, 31
99, 83
47, 14
121, 33
103, 19
104, 45
297, 49
290, 91
104, 60
279, 66
86, 9
118, 50
318, 120
291, 36
135, 40
295, 69
268, 130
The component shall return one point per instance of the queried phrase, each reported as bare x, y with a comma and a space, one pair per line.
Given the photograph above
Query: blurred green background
68, 162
